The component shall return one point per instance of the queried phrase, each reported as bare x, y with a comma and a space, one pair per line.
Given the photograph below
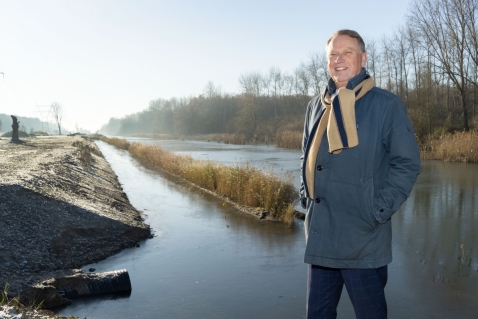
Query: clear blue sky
107, 58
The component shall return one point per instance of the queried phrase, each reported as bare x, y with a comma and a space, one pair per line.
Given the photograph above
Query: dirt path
59, 209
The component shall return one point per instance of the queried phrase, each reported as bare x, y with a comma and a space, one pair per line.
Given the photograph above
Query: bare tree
416, 58
470, 16
275, 78
317, 69
390, 61
211, 90
266, 83
287, 89
303, 80
403, 48
57, 111
252, 83
444, 26
289, 83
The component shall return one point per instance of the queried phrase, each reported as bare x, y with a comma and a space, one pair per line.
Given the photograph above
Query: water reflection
442, 226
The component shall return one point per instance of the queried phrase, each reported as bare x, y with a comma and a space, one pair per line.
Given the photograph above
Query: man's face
345, 60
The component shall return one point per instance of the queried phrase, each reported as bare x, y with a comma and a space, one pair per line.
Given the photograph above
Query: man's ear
364, 59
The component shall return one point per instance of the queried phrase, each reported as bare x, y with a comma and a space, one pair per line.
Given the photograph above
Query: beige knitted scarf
339, 120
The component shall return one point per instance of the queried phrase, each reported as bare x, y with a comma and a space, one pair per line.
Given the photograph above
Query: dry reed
238, 139
456, 147
119, 143
289, 139
242, 184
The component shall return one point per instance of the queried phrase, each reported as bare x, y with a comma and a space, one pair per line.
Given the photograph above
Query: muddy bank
61, 207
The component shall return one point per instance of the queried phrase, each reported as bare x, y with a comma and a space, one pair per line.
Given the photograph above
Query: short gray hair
352, 34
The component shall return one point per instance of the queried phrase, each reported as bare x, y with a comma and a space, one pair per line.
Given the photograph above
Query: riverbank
61, 207
252, 190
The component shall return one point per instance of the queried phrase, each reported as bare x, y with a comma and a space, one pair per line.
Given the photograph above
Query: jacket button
317, 200
381, 210
319, 168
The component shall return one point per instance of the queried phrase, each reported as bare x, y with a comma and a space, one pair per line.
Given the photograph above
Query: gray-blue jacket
348, 220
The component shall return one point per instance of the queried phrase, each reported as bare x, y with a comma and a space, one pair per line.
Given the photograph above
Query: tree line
431, 63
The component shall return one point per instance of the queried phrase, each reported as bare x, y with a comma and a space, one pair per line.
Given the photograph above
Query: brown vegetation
239, 139
242, 184
457, 147
118, 142
84, 151
289, 139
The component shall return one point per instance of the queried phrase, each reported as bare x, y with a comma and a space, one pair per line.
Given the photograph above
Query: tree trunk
15, 125
466, 127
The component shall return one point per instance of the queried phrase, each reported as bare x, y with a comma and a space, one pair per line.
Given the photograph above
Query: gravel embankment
59, 212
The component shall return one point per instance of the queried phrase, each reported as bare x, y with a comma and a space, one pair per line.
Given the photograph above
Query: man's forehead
352, 44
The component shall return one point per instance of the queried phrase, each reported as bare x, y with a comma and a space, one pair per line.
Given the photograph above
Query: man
360, 161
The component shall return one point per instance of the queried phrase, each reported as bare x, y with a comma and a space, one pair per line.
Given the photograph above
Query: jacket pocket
368, 194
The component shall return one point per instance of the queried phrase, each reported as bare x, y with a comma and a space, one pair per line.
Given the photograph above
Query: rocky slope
61, 207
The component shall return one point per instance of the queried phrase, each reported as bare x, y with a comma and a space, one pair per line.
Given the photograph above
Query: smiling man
360, 162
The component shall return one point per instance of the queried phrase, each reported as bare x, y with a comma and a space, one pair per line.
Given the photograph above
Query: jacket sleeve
403, 154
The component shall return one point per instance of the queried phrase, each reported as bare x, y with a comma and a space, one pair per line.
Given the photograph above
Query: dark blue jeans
364, 286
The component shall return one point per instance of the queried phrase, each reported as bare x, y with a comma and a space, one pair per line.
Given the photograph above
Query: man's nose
339, 58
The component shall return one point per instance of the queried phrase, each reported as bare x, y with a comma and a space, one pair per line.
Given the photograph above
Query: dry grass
84, 150
289, 215
289, 139
239, 139
456, 147
119, 143
15, 302
242, 184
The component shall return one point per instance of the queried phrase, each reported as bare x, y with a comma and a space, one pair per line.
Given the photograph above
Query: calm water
210, 261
